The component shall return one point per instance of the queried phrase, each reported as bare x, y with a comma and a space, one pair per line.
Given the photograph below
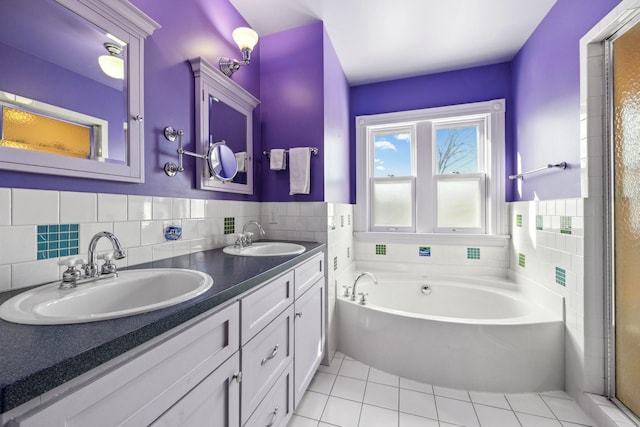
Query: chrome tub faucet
353, 290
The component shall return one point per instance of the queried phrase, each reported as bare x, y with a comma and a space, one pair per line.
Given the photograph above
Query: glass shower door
626, 214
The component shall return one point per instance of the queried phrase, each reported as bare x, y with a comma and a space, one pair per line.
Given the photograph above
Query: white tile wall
30, 207
138, 222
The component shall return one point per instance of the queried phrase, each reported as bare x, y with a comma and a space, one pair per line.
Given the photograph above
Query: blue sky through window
457, 150
392, 154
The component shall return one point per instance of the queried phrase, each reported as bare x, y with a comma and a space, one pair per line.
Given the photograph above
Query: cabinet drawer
308, 273
276, 408
264, 358
264, 305
139, 391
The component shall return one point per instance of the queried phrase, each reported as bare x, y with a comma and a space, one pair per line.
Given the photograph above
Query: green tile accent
473, 253
55, 240
341, 220
521, 260
229, 225
348, 252
538, 222
381, 249
519, 220
424, 251
335, 263
565, 224
349, 219
561, 276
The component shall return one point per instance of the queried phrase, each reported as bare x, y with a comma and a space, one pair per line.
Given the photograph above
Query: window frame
425, 122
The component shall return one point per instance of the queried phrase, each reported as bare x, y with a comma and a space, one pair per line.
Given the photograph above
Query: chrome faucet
91, 268
247, 236
353, 290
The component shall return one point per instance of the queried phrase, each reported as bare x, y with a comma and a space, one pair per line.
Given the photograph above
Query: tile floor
348, 393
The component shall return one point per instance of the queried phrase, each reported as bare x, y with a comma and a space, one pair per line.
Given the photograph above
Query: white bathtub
472, 334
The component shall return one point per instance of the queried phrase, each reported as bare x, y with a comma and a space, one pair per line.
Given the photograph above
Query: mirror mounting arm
211, 158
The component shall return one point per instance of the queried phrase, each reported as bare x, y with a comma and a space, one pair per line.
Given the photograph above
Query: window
438, 170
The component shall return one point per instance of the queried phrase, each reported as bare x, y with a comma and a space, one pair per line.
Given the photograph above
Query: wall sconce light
113, 64
246, 39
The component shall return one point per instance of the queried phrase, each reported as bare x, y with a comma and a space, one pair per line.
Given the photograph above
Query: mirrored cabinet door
224, 115
74, 107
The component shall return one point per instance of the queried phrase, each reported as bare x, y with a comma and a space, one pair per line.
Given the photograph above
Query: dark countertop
36, 359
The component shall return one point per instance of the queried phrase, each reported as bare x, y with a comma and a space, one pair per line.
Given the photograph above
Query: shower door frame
609, 215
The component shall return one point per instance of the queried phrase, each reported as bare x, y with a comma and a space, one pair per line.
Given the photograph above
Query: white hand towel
278, 160
299, 170
241, 160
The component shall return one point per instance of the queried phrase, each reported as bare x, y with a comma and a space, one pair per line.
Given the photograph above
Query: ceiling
379, 40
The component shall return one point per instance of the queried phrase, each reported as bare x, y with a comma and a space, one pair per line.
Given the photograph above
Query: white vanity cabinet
243, 365
137, 392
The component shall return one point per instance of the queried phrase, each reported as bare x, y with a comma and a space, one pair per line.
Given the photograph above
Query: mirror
63, 111
224, 111
222, 162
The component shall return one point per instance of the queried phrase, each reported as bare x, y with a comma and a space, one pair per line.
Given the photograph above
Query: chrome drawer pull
271, 356
237, 377
273, 417
299, 314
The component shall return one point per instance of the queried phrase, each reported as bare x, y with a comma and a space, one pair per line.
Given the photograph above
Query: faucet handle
346, 291
363, 297
107, 256
72, 261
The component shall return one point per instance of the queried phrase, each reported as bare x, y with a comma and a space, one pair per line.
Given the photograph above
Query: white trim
497, 210
211, 81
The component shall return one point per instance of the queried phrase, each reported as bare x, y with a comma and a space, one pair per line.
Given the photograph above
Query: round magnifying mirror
221, 161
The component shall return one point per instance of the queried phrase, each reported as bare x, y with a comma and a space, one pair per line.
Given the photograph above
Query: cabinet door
214, 402
308, 337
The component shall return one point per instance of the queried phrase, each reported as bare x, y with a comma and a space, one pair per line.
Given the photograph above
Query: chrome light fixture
246, 39
112, 64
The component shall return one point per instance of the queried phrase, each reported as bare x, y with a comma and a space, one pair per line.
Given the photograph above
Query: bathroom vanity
241, 354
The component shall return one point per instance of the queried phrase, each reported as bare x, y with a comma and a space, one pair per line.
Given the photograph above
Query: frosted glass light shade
245, 38
112, 66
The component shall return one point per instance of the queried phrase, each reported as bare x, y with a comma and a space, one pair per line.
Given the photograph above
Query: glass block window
521, 260
473, 253
57, 240
561, 276
381, 249
229, 225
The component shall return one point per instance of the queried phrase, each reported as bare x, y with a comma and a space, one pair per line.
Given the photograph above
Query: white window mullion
424, 177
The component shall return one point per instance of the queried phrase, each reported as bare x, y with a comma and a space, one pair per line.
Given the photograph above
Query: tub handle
346, 291
271, 356
363, 298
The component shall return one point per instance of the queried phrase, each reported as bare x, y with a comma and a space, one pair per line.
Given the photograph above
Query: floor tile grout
339, 364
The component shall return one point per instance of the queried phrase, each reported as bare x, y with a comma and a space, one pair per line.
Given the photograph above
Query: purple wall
194, 28
434, 90
336, 128
546, 94
292, 106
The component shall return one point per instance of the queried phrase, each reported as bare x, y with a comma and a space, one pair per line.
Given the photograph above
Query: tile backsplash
37, 227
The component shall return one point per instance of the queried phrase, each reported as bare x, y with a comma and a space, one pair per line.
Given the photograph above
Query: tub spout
366, 273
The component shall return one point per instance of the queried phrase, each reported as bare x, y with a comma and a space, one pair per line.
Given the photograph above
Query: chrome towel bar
561, 165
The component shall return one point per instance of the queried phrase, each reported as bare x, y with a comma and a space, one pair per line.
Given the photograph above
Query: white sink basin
266, 249
133, 292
